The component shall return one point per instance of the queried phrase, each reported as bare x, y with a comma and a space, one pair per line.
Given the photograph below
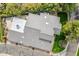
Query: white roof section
18, 25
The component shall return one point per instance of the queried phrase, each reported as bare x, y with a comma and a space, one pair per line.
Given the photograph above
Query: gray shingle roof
37, 31
30, 37
14, 36
43, 22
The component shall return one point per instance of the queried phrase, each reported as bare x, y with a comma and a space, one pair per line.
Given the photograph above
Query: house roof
18, 25
43, 22
28, 32
30, 37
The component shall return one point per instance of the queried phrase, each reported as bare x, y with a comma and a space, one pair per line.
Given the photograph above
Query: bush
63, 17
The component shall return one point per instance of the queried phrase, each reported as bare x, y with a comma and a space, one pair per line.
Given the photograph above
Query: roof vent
17, 26
47, 23
45, 17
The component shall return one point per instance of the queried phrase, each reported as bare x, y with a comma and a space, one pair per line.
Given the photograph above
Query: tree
7, 9
71, 30
2, 9
13, 9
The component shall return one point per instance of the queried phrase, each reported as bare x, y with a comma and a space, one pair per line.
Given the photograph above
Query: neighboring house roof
44, 22
18, 25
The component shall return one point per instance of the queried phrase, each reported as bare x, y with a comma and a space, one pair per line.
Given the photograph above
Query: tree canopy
71, 30
18, 8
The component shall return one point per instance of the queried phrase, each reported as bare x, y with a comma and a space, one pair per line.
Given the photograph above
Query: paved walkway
71, 51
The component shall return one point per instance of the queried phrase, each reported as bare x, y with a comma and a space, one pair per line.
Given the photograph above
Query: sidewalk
71, 51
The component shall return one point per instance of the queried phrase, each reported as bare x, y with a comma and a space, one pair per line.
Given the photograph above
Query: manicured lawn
78, 53
57, 43
1, 32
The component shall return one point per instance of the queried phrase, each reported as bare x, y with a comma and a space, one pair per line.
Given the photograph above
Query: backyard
59, 39
57, 47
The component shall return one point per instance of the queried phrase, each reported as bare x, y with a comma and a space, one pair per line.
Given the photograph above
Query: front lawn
57, 47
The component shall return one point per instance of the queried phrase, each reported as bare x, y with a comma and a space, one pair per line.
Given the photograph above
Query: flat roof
18, 25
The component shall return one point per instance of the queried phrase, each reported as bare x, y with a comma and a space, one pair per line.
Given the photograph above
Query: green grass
57, 43
57, 47
1, 32
78, 53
